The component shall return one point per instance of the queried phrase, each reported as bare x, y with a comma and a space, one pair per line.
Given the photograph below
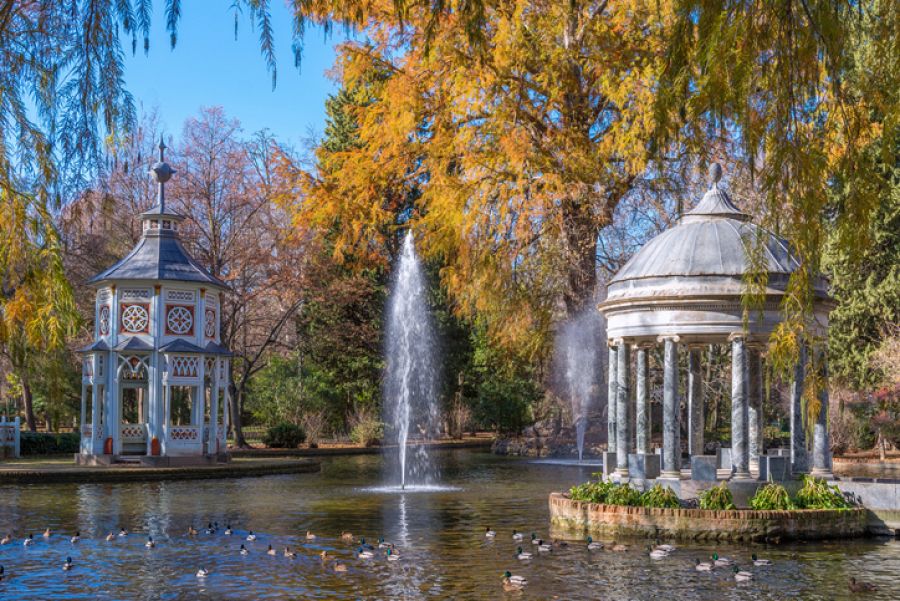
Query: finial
162, 148
715, 174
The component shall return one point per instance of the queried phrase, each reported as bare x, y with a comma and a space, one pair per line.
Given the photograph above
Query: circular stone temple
685, 288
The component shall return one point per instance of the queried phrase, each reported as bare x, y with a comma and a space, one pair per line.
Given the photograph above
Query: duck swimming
288, 553
47, 533
339, 567
6, 539
383, 544
858, 586
68, 565
760, 562
28, 541
310, 535
618, 548
110, 537
657, 553
192, 531
75, 538
364, 553
123, 532
391, 556
543, 547
347, 536
592, 545
202, 573
251, 536
270, 551
741, 576
523, 555
705, 566
150, 544
1, 573
210, 529
513, 583
244, 550
488, 533
517, 536
228, 530
721, 562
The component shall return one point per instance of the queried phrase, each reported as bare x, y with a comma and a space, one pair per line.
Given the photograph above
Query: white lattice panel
185, 296
136, 294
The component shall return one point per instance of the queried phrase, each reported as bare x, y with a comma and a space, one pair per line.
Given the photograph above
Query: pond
439, 536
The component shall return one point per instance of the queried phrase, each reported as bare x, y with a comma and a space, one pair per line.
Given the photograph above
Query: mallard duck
543, 547
383, 544
123, 532
325, 557
721, 562
192, 531
47, 533
270, 551
364, 553
365, 545
150, 543
244, 550
391, 556
704, 566
534, 539
210, 529
310, 535
517, 536
250, 536
228, 530
617, 547
559, 543
488, 533
666, 548
68, 565
858, 586
523, 555
6, 539
202, 573
28, 541
110, 537
339, 567
657, 553
346, 536
740, 575
512, 582
75, 538
288, 553
760, 562
592, 545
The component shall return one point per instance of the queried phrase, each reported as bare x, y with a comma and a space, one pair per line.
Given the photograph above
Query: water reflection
439, 534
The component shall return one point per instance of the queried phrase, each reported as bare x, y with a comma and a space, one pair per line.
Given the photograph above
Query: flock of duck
386, 550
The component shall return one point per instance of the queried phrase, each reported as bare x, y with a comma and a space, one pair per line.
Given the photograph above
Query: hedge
46, 443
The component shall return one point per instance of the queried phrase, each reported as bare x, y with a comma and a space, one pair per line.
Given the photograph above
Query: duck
68, 565
110, 537
250, 536
517, 536
488, 533
150, 544
228, 530
559, 543
310, 535
28, 541
721, 562
512, 582
592, 545
288, 553
543, 547
325, 557
740, 575
666, 548
760, 562
192, 531
6, 539
383, 544
210, 529
202, 573
75, 538
617, 547
657, 553
364, 554
1, 574
339, 567
365, 545
47, 533
270, 551
391, 556
123, 532
534, 539
244, 550
858, 586
523, 555
346, 536
705, 566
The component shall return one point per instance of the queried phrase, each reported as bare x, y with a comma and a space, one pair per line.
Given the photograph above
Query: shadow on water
439, 535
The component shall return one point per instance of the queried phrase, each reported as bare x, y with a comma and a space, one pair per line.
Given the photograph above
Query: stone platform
576, 519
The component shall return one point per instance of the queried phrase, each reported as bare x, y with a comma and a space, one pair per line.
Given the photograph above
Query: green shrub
47, 443
284, 436
367, 432
772, 496
660, 496
623, 494
591, 492
717, 497
816, 494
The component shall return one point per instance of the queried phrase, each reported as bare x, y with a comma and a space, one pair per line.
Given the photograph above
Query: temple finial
715, 174
162, 149
161, 172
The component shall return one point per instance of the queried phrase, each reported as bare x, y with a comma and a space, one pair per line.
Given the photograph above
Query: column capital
665, 337
743, 336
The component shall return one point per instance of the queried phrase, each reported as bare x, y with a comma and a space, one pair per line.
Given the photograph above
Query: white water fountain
411, 411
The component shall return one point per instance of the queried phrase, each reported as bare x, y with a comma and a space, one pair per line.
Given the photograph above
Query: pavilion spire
161, 172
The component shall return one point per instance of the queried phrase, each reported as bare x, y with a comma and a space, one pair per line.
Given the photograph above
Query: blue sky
208, 67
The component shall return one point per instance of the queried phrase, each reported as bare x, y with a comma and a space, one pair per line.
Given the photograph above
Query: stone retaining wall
744, 525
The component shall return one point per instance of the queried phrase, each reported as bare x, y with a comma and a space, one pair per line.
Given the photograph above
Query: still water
438, 533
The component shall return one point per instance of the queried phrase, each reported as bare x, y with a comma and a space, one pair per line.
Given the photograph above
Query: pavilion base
150, 461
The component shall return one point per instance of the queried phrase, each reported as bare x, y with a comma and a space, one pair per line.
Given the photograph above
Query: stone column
740, 461
754, 407
642, 410
670, 467
623, 391
821, 467
612, 385
695, 403
799, 456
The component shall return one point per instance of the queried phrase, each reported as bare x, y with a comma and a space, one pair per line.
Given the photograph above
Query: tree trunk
237, 397
28, 404
581, 240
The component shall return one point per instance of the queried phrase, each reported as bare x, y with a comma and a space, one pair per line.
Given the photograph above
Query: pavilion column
754, 407
695, 403
622, 397
821, 467
611, 400
95, 414
642, 410
214, 408
670, 463
740, 460
799, 456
